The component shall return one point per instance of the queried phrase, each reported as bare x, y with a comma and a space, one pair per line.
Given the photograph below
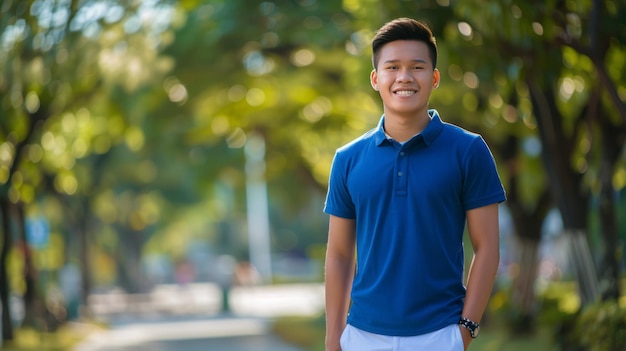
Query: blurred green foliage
64, 339
601, 327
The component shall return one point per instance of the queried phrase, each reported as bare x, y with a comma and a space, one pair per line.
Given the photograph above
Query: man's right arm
339, 267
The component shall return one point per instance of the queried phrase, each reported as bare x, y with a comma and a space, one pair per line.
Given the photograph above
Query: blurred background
172, 157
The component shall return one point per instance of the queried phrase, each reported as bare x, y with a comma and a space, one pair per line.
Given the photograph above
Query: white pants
445, 339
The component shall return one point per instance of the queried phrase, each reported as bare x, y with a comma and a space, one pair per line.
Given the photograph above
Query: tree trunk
527, 221
85, 269
612, 137
33, 305
7, 327
129, 262
610, 267
612, 141
78, 223
566, 184
523, 298
582, 263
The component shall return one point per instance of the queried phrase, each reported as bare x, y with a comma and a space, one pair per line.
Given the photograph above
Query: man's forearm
484, 232
479, 285
339, 276
480, 282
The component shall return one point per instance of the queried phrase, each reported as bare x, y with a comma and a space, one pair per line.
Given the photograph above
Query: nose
404, 75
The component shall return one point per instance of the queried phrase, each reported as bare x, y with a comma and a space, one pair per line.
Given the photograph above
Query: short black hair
404, 29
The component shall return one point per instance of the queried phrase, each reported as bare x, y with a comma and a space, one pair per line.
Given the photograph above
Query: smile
405, 92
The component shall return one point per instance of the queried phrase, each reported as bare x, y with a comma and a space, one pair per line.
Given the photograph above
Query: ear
436, 78
374, 79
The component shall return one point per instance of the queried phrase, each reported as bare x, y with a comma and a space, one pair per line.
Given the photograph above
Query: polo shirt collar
429, 134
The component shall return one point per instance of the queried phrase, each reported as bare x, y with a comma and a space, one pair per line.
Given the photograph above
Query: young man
401, 195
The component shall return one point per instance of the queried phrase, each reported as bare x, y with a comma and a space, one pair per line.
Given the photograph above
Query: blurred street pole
257, 207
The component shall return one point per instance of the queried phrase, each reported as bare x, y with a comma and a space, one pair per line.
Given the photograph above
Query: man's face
405, 77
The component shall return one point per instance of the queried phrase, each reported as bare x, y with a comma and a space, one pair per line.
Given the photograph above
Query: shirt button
399, 174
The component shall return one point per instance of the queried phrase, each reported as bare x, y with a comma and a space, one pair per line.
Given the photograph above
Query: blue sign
37, 232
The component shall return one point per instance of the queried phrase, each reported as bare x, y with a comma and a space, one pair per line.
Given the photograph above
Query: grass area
64, 339
308, 333
305, 332
496, 337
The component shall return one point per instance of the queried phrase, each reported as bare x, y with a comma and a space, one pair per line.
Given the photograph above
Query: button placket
401, 179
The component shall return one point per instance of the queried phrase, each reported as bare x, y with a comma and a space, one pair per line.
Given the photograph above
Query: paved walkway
172, 318
215, 334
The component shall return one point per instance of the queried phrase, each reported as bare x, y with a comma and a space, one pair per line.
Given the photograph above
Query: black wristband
473, 327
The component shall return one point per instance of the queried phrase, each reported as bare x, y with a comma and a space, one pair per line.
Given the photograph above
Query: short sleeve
481, 183
338, 200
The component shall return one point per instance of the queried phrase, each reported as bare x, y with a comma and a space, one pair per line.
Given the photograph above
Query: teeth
405, 92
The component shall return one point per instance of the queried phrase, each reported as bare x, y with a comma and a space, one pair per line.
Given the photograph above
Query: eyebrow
396, 61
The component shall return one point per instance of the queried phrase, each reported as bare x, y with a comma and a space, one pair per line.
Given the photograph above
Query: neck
402, 128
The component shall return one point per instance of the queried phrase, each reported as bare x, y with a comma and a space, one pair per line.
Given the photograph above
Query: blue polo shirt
409, 202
